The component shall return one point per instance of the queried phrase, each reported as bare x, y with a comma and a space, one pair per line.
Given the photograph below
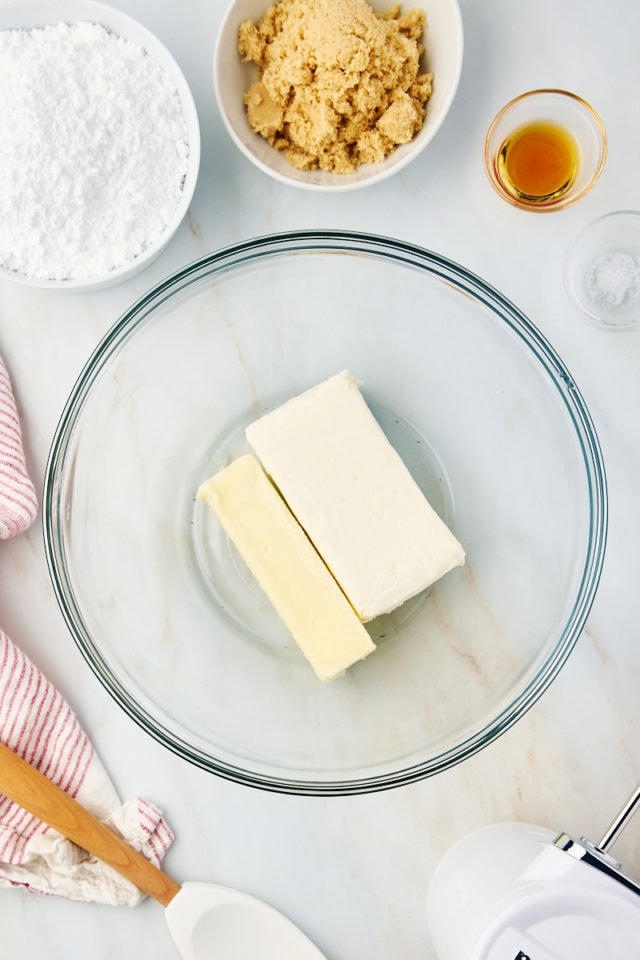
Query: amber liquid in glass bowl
538, 162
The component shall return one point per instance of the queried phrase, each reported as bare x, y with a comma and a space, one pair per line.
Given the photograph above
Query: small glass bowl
566, 110
601, 273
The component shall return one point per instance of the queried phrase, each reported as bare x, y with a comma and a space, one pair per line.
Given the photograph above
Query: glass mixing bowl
485, 415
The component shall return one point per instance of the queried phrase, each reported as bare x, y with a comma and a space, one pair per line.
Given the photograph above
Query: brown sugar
338, 85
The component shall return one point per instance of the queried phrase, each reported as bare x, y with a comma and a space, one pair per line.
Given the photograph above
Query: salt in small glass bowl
566, 110
601, 272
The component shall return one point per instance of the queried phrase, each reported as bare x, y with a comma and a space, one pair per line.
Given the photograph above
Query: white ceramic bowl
27, 14
232, 78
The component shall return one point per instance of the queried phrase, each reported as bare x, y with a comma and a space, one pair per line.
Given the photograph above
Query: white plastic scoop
207, 921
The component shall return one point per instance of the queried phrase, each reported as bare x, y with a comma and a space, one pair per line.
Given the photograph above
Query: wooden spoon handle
31, 790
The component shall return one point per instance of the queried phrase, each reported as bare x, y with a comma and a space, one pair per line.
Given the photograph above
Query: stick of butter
354, 497
287, 567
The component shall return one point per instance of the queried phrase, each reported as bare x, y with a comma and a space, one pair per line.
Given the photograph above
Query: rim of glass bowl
395, 251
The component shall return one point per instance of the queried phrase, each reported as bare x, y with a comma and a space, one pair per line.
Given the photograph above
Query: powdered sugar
94, 151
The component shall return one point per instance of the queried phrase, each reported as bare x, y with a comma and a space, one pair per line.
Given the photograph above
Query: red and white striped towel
38, 724
18, 504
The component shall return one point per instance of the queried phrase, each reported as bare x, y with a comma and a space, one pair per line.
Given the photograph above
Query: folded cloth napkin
18, 504
38, 724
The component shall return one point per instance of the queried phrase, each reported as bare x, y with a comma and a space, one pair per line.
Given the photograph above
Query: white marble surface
354, 872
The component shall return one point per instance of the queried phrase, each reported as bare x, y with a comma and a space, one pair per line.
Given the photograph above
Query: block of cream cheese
354, 497
287, 567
